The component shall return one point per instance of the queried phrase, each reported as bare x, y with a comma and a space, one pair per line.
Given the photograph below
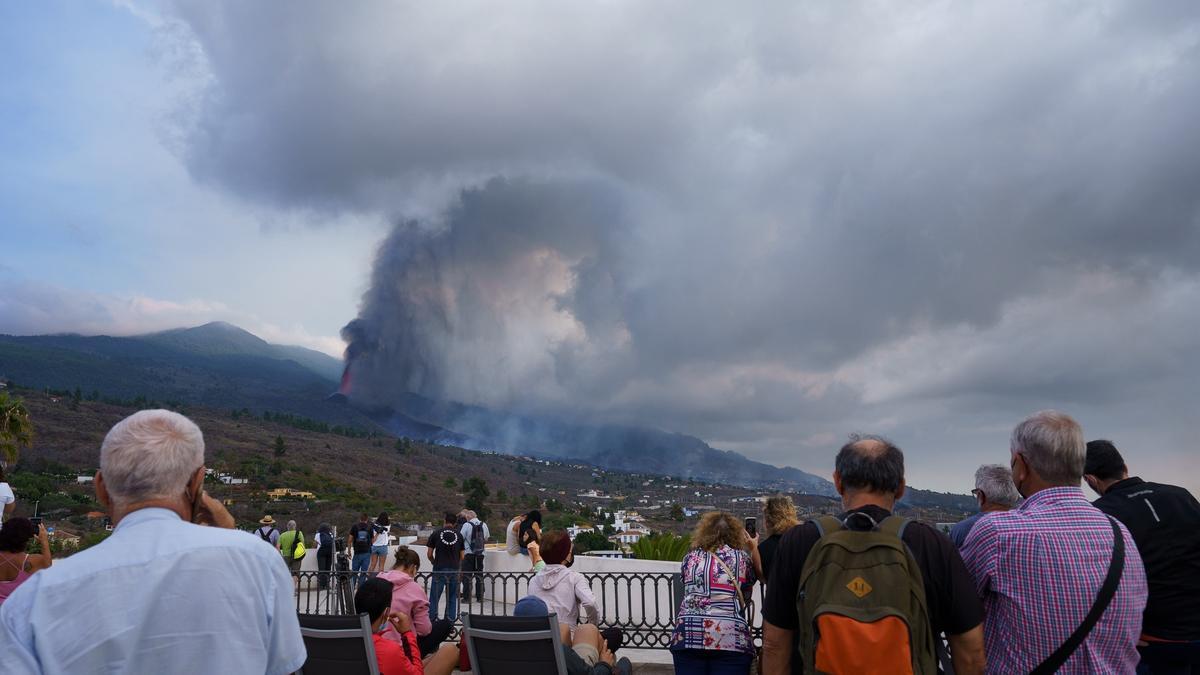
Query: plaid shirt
1039, 568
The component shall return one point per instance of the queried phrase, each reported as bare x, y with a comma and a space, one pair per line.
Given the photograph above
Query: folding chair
503, 645
338, 644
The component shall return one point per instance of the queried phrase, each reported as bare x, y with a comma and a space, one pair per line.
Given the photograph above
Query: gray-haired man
162, 593
994, 490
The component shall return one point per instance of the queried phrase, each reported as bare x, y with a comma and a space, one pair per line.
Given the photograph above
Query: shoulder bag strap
737, 582
1107, 591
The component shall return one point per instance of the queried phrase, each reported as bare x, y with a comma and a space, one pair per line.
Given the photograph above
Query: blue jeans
360, 563
710, 662
444, 578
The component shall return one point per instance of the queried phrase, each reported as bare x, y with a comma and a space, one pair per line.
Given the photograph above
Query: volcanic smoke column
485, 305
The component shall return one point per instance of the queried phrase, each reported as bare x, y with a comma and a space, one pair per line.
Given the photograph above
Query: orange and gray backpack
862, 602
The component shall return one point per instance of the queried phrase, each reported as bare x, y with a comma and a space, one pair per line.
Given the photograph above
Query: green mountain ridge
215, 365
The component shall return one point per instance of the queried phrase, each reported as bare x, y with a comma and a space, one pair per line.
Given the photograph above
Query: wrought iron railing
642, 604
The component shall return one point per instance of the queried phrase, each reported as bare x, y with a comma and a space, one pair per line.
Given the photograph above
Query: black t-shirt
447, 545
954, 607
1164, 521
361, 534
766, 552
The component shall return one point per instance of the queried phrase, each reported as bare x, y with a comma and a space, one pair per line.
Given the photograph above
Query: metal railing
642, 604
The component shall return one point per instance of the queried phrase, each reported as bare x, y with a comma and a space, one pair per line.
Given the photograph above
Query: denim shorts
379, 550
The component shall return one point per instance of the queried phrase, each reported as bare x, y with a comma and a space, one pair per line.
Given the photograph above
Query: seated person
403, 657
566, 593
408, 597
585, 654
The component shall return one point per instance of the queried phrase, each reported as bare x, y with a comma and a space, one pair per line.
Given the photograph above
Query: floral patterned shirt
711, 616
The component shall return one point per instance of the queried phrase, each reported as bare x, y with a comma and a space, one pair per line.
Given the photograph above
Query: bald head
870, 463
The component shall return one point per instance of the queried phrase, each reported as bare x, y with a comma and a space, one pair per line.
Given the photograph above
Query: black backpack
324, 542
266, 536
478, 537
363, 534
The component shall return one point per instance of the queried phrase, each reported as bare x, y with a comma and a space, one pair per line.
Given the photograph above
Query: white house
630, 536
84, 479
593, 494
575, 529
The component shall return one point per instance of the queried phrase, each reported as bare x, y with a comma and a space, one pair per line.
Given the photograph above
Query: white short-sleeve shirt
6, 497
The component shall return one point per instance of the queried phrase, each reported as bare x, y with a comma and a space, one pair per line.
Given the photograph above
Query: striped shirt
1039, 568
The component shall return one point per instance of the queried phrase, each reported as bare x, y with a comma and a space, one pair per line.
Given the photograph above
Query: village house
288, 493
630, 536
576, 529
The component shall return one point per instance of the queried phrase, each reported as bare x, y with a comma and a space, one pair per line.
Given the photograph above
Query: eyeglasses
975, 492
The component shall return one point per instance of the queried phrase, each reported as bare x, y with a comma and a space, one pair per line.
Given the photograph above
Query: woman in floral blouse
711, 635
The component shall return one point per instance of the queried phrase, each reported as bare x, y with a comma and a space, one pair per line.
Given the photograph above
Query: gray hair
471, 515
996, 483
151, 454
1052, 444
291, 524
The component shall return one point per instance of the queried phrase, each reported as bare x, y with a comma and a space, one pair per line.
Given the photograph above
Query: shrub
662, 546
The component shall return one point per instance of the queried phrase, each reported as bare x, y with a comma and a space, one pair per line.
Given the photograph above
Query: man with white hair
994, 490
475, 535
1062, 583
162, 594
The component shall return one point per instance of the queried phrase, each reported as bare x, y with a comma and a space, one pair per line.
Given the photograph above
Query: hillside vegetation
413, 481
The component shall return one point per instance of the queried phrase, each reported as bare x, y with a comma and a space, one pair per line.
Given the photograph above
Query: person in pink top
408, 597
15, 564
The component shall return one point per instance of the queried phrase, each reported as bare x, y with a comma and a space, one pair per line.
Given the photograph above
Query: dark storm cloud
705, 218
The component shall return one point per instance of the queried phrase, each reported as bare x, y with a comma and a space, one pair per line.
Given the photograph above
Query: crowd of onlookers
1039, 581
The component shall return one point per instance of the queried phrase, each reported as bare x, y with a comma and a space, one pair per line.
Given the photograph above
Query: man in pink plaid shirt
1040, 567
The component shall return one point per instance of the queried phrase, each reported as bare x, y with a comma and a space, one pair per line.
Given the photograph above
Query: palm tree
16, 430
662, 546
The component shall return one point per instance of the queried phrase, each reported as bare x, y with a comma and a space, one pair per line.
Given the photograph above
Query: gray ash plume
481, 306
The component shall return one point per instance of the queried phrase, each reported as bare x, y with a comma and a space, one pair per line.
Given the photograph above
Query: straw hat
267, 520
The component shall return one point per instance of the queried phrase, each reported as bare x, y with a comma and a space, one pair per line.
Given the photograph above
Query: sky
767, 226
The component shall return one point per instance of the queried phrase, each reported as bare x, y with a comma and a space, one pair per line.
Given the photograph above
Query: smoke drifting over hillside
765, 226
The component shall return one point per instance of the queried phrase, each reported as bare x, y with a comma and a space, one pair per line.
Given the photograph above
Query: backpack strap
827, 524
1115, 568
894, 525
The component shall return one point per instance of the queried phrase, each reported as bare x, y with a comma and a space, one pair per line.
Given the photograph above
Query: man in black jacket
1164, 521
